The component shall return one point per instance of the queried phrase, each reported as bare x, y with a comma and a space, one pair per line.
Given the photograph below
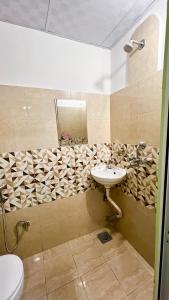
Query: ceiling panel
98, 22
87, 21
30, 13
127, 22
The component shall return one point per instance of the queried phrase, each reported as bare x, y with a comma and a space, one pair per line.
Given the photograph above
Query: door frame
161, 290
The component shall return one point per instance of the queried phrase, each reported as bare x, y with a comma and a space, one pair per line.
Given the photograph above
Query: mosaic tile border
141, 180
31, 178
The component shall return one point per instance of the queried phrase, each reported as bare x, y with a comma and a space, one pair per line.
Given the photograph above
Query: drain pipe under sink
118, 209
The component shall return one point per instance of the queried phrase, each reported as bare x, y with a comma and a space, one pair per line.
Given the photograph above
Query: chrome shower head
130, 45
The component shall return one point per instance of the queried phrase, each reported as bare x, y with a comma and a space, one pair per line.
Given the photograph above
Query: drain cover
104, 237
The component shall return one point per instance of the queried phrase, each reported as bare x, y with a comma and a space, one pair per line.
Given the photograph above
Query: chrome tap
134, 160
2, 199
109, 164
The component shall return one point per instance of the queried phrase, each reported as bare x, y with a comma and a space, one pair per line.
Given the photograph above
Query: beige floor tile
29, 297
34, 286
94, 234
114, 247
129, 271
110, 271
79, 245
59, 270
102, 284
82, 243
145, 293
71, 291
33, 264
58, 250
88, 259
140, 258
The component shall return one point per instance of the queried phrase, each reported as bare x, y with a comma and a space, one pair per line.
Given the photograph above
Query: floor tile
59, 270
88, 259
145, 292
140, 258
39, 298
129, 271
58, 250
110, 271
114, 247
81, 244
34, 286
71, 291
33, 264
94, 234
102, 284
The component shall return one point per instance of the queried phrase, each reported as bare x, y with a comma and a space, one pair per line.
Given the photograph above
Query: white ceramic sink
108, 177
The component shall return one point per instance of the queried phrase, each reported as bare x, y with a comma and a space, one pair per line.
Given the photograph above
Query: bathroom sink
108, 176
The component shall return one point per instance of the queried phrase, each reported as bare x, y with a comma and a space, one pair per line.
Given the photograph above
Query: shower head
130, 45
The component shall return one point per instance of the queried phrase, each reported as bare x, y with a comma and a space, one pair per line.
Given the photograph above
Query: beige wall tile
98, 131
137, 225
135, 113
30, 241
141, 63
98, 107
57, 222
150, 87
26, 129
36, 128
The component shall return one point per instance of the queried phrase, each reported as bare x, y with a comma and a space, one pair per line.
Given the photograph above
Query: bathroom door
161, 291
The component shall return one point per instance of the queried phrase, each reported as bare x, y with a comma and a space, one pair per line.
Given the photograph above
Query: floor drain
104, 237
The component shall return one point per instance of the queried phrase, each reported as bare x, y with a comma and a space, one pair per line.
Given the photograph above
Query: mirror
71, 118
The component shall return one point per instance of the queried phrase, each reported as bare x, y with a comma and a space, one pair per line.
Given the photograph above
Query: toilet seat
11, 277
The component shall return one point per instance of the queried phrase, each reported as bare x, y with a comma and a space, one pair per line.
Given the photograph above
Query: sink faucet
134, 161
109, 164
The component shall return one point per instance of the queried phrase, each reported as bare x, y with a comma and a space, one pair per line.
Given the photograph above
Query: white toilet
11, 277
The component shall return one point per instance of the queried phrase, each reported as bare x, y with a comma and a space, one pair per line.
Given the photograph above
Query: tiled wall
140, 187
56, 222
137, 224
30, 178
36, 128
141, 181
143, 63
34, 177
136, 112
59, 178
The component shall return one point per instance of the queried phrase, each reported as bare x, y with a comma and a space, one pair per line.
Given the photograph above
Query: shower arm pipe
118, 209
140, 44
136, 42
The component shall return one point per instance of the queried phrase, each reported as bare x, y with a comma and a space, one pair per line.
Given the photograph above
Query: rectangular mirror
71, 118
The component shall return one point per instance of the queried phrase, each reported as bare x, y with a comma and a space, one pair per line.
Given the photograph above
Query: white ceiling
98, 22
